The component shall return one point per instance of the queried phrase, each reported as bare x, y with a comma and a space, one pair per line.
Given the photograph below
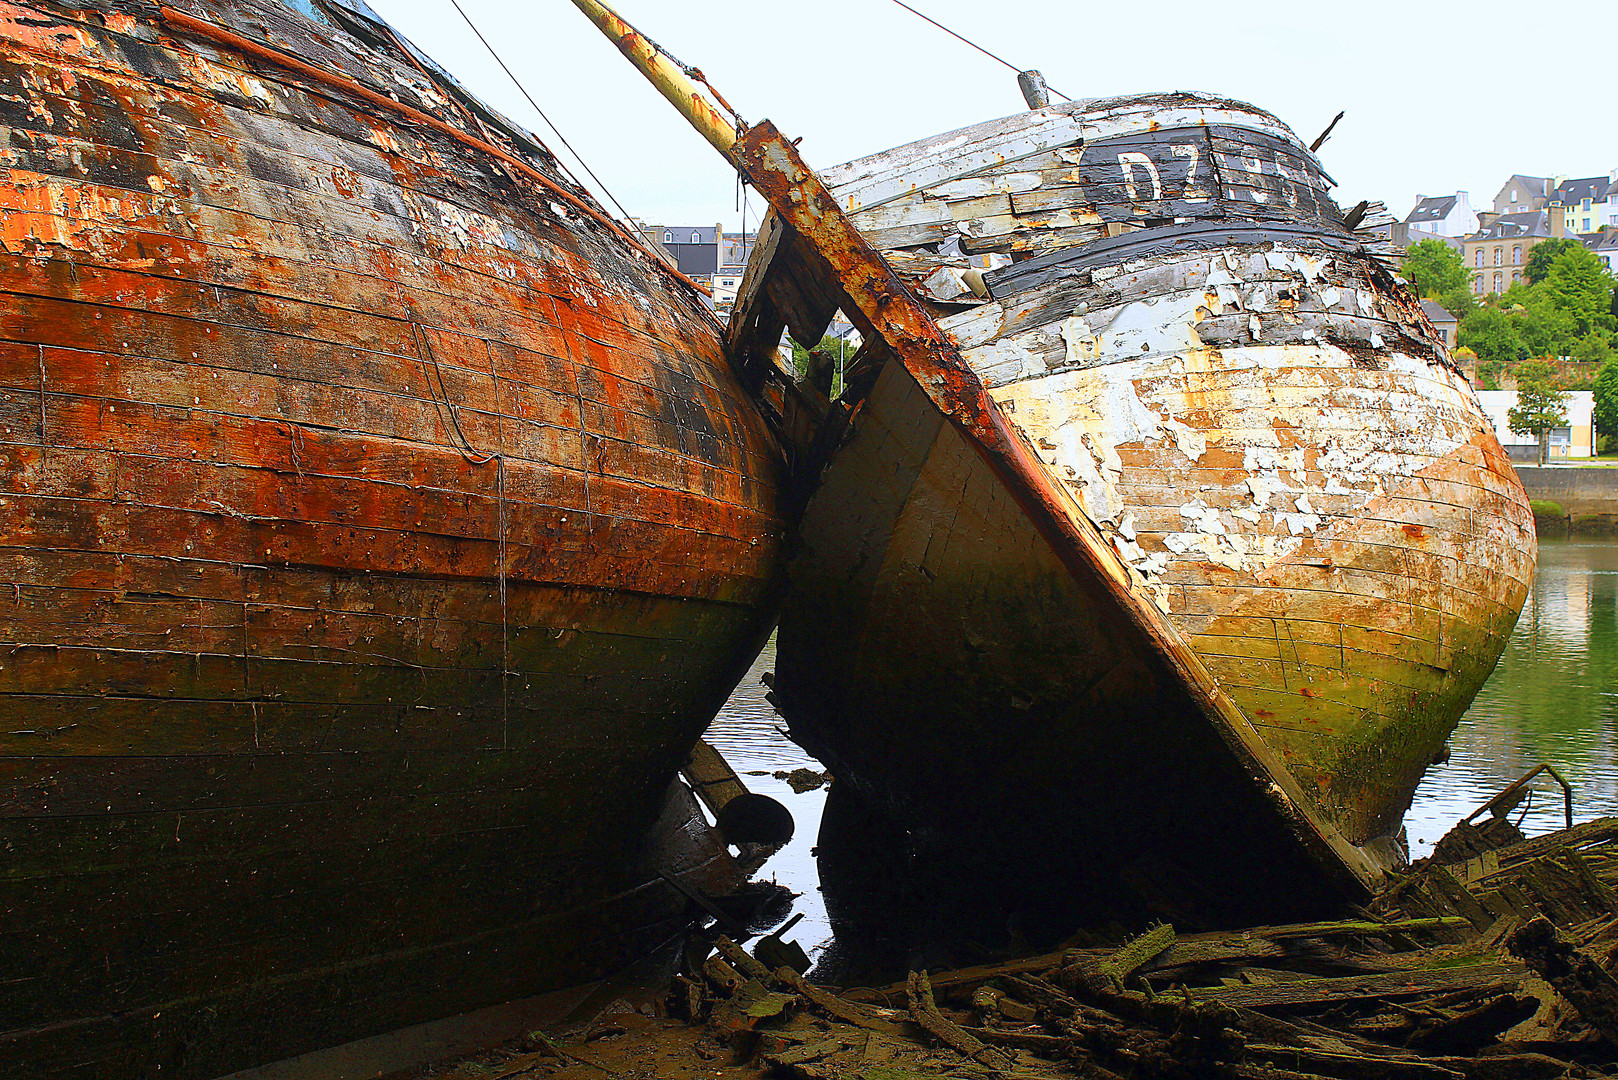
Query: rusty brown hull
1212, 408
378, 530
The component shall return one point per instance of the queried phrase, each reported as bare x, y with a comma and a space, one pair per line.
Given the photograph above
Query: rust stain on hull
375, 521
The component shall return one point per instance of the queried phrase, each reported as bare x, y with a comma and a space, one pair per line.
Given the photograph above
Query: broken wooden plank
949, 980
920, 995
711, 777
1574, 973
808, 1052
1363, 988
1021, 1040
741, 959
1108, 973
830, 1003
1352, 1066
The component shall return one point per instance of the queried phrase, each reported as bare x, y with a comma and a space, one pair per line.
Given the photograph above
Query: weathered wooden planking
936, 162
1010, 185
372, 521
1339, 468
875, 181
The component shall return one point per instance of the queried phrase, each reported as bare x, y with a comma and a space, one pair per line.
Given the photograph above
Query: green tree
1433, 268
1491, 334
1541, 405
1579, 284
1606, 398
1544, 327
1458, 301
827, 365
1519, 294
1594, 348
1542, 255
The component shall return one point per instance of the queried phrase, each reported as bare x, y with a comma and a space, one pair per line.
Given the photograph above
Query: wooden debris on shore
1492, 966
1496, 967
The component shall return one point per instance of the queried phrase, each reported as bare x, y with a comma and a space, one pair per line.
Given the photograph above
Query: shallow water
749, 734
1553, 699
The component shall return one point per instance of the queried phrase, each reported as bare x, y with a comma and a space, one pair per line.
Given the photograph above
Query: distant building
736, 248
1570, 442
1442, 321
1402, 234
693, 249
1495, 254
1605, 246
1523, 194
726, 282
1589, 203
1443, 215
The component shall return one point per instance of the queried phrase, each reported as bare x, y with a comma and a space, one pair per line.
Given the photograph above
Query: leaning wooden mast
664, 74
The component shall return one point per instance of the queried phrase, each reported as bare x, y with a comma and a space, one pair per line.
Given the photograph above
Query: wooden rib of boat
1148, 570
379, 528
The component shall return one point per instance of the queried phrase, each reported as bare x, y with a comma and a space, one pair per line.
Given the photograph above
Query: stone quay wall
1586, 499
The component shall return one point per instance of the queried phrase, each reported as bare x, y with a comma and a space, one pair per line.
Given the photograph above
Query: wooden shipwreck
379, 527
1154, 545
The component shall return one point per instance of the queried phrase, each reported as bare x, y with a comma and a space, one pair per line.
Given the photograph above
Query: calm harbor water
1553, 699
749, 733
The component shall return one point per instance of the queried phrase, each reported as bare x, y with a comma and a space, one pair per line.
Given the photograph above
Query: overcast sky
1439, 96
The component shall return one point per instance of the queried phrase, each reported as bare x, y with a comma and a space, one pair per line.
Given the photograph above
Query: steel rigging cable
975, 45
518, 83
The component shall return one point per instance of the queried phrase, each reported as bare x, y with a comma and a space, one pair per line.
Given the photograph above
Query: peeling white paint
1192, 443
1319, 437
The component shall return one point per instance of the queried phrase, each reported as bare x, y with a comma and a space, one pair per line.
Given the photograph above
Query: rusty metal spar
668, 77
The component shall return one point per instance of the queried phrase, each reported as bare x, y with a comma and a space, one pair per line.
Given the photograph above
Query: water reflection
748, 733
1553, 698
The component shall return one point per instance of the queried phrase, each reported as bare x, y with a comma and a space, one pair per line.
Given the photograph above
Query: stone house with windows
1443, 215
1605, 246
693, 249
1589, 203
1495, 254
1523, 194
1442, 321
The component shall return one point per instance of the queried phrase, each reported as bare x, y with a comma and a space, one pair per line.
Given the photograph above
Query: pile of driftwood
1491, 965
